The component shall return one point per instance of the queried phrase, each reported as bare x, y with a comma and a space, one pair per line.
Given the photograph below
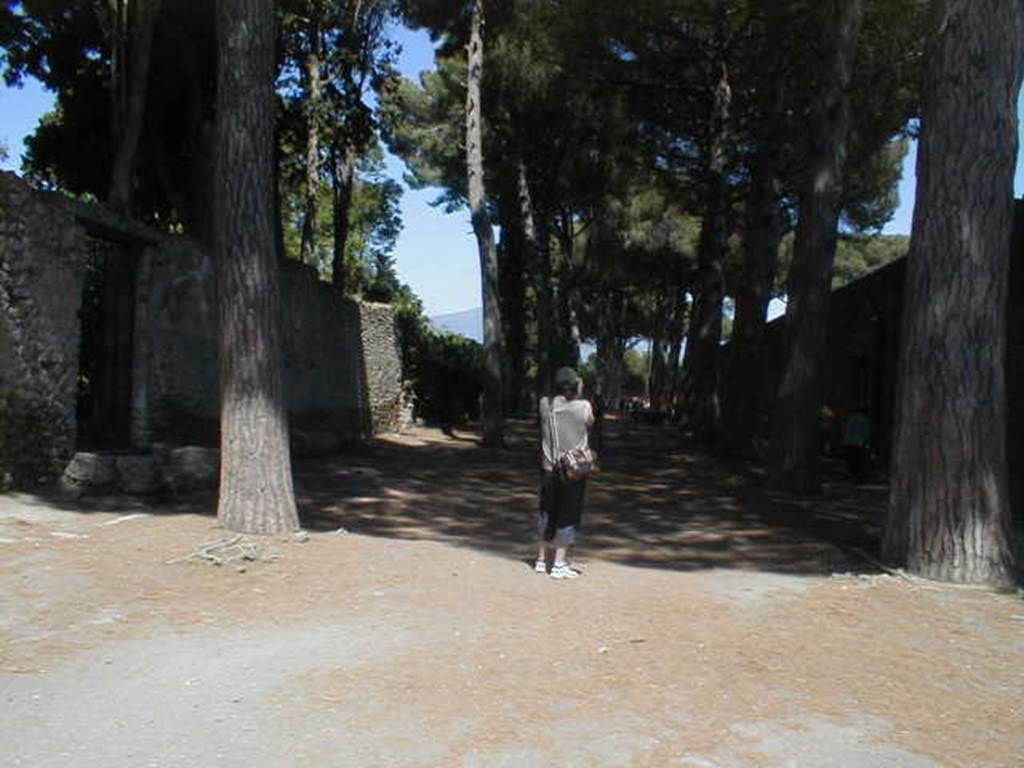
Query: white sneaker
563, 571
540, 567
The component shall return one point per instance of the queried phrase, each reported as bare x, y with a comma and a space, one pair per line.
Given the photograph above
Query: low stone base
174, 469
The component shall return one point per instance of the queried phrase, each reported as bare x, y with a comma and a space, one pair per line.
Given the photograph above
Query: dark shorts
561, 508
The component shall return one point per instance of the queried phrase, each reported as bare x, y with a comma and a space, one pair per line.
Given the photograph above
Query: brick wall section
42, 267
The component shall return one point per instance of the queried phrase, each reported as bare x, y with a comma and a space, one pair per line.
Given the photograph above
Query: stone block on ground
90, 470
192, 468
139, 474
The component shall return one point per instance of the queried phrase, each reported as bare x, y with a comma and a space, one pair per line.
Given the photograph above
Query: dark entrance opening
105, 356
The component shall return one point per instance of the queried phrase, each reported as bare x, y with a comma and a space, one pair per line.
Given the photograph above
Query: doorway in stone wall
105, 356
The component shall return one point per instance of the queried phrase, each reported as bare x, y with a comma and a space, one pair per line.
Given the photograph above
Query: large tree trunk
741, 384
547, 300
131, 94
256, 494
492, 417
949, 515
705, 334
538, 261
794, 459
343, 178
704, 338
513, 270
566, 294
763, 228
307, 244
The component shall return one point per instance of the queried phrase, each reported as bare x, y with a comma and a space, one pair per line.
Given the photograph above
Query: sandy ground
714, 625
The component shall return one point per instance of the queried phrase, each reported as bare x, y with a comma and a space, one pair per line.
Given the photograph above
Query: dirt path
709, 628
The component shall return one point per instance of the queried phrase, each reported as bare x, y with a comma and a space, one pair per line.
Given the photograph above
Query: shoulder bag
576, 463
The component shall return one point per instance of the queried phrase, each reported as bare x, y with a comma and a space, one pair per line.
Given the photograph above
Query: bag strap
557, 453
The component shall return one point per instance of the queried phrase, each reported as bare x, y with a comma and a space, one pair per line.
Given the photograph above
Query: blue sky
436, 252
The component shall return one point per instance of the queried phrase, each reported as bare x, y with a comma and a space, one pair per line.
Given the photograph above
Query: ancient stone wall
42, 266
342, 370
176, 345
383, 361
863, 346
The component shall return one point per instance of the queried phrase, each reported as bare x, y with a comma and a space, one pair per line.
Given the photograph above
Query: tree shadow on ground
657, 503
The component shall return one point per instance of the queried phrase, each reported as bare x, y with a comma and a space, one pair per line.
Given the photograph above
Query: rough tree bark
793, 463
763, 229
256, 494
133, 45
313, 111
493, 428
547, 300
949, 514
705, 333
343, 177
513, 260
741, 385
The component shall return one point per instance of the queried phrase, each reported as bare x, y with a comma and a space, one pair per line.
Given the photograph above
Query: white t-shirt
571, 419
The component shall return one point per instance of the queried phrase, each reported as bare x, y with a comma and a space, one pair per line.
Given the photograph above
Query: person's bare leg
560, 554
561, 569
542, 557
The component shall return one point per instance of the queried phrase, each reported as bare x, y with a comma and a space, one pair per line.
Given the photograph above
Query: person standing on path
564, 421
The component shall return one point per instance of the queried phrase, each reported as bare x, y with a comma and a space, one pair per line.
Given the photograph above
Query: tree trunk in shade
764, 222
256, 494
705, 333
949, 512
133, 109
538, 262
343, 178
313, 99
741, 383
793, 463
493, 428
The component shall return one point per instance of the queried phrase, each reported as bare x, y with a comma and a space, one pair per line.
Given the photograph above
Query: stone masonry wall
863, 346
176, 345
383, 360
342, 369
42, 267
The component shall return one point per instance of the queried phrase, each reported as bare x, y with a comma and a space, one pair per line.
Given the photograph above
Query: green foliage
856, 256
444, 370
871, 187
637, 366
375, 223
356, 56
424, 124
64, 45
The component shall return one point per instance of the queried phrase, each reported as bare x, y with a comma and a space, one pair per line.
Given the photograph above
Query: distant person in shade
857, 442
564, 421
